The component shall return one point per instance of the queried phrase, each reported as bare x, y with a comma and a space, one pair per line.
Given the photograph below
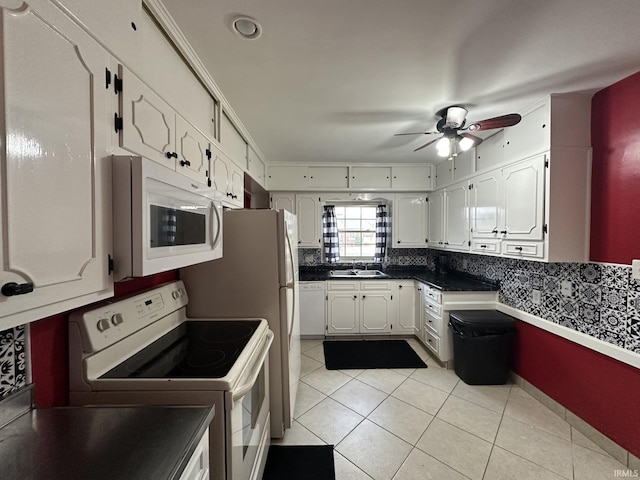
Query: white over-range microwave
162, 220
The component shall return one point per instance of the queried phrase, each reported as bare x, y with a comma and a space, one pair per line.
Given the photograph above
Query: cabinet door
490, 153
309, 220
193, 151
148, 122
376, 312
411, 178
485, 205
410, 221
55, 167
532, 135
464, 164
436, 219
343, 312
255, 166
232, 142
406, 311
284, 201
524, 199
370, 178
220, 174
236, 183
457, 216
418, 327
286, 177
444, 173
328, 177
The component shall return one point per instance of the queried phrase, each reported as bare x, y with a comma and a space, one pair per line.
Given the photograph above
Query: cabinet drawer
340, 285
375, 285
433, 294
432, 323
432, 341
524, 249
432, 308
485, 246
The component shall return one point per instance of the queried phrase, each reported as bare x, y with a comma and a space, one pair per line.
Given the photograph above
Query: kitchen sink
357, 273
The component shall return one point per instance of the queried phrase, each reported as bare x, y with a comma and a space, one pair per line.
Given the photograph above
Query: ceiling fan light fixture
444, 146
465, 143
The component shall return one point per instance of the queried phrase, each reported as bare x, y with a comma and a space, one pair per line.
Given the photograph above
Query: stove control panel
116, 320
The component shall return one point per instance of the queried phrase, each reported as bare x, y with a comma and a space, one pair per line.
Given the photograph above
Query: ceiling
333, 80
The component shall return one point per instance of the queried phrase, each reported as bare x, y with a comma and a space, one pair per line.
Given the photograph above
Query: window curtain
330, 234
382, 232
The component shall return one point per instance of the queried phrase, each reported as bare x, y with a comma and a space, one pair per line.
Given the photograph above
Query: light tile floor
426, 424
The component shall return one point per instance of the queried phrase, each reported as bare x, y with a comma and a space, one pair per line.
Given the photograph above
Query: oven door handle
246, 387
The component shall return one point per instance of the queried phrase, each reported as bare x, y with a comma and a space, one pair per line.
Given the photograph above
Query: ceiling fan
456, 135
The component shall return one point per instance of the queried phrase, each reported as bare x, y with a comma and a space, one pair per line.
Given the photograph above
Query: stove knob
103, 324
116, 319
175, 294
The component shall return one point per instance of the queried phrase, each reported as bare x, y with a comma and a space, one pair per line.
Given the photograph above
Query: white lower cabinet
55, 166
359, 307
406, 307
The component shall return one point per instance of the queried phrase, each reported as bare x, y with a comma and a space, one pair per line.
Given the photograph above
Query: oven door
249, 419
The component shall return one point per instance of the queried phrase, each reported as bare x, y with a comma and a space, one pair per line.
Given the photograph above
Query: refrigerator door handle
291, 283
293, 316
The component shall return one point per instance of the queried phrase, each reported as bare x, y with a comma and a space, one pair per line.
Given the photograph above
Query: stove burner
206, 358
231, 333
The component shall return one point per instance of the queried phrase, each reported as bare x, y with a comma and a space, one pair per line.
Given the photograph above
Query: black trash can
482, 345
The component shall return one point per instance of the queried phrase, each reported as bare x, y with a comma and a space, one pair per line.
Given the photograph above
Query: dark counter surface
98, 443
448, 282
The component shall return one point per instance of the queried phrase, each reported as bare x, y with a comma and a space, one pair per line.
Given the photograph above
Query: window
356, 231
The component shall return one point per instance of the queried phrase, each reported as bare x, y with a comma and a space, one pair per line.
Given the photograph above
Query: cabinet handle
504, 232
171, 155
483, 246
519, 249
495, 230
184, 162
399, 286
364, 296
12, 288
398, 241
446, 243
355, 296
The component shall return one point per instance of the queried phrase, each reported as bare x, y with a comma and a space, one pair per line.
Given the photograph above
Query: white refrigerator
257, 276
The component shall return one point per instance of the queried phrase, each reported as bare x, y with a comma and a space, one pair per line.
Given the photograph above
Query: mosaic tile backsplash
13, 370
601, 300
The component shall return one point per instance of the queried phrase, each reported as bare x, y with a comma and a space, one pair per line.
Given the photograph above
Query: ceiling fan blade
415, 133
427, 144
495, 122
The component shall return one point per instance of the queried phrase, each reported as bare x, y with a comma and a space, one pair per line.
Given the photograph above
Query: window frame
351, 258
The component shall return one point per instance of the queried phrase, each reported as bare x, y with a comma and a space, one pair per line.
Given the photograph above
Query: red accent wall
50, 345
615, 194
602, 391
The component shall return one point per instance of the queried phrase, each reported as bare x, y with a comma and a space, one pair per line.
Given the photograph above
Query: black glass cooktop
197, 349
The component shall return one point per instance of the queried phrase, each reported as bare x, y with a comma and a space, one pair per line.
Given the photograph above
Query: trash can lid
482, 318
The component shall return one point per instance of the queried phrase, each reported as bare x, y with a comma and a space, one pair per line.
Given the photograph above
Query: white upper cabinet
116, 24
231, 142
227, 179
444, 173
456, 216
411, 178
410, 222
363, 178
485, 205
152, 129
524, 200
461, 166
256, 167
436, 219
370, 178
490, 153
309, 214
55, 166
284, 201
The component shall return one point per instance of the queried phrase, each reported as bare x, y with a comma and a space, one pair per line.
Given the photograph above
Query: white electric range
143, 350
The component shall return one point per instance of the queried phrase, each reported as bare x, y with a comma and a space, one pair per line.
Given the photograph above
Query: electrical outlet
566, 288
635, 269
536, 297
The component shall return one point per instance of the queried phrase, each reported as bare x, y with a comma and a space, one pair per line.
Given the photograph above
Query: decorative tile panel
13, 370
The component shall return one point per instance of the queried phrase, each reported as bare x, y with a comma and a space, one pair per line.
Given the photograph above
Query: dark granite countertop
448, 282
102, 442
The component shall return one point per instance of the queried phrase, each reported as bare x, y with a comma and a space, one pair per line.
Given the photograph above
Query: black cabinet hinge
471, 186
208, 152
546, 163
545, 228
117, 122
469, 242
109, 264
208, 182
117, 84
107, 78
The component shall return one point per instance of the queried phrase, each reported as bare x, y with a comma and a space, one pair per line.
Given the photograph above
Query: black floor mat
356, 354
300, 462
